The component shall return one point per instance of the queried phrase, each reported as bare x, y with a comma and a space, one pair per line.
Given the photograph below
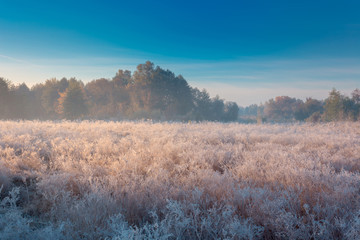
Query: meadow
145, 180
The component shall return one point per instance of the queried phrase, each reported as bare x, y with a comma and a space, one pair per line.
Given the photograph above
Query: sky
244, 51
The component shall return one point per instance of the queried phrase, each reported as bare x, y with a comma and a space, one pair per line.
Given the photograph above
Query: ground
144, 180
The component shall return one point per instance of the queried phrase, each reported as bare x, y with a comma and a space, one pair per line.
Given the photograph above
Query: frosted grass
143, 180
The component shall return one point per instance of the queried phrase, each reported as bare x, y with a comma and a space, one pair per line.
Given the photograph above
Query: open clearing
143, 180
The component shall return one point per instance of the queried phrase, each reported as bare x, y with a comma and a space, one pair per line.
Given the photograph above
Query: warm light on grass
127, 180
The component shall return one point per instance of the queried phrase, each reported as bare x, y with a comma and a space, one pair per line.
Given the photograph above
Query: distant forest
283, 109
154, 93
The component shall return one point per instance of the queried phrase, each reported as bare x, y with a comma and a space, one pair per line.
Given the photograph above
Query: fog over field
144, 180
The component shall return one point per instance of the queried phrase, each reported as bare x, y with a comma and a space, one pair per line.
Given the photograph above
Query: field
143, 180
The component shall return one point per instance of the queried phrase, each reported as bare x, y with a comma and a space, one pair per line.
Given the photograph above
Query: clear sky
245, 51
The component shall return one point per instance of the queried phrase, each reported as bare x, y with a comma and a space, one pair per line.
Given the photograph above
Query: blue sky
245, 51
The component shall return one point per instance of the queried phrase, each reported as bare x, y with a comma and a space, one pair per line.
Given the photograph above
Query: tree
178, 98
4, 87
38, 109
141, 94
349, 109
217, 109
356, 96
22, 102
158, 90
251, 110
333, 106
4, 97
50, 95
305, 110
100, 94
282, 109
231, 112
356, 99
72, 103
122, 78
121, 94
202, 104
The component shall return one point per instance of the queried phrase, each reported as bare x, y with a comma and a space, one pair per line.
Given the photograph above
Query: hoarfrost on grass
143, 180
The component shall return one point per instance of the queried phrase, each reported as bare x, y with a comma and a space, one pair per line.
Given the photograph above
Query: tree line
149, 92
154, 93
282, 109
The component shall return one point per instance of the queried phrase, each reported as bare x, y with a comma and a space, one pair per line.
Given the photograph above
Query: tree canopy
152, 92
149, 92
